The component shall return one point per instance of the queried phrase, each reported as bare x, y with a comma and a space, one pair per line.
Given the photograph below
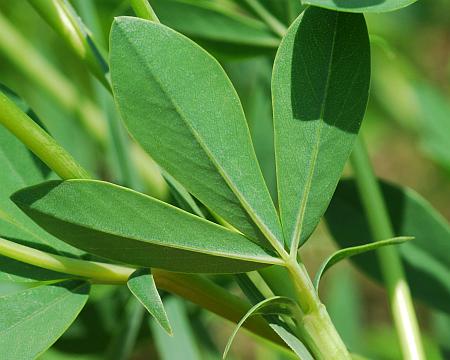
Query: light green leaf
123, 225
182, 344
277, 305
293, 342
20, 168
320, 89
361, 6
40, 315
355, 250
142, 285
426, 260
178, 103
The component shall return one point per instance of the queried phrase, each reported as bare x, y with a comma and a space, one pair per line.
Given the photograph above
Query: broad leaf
425, 259
352, 251
180, 106
20, 168
361, 6
123, 225
32, 320
142, 285
320, 90
276, 305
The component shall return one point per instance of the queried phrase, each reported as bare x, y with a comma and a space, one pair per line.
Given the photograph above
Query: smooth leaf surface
40, 315
277, 305
123, 225
425, 259
20, 168
180, 106
352, 251
320, 89
143, 287
361, 6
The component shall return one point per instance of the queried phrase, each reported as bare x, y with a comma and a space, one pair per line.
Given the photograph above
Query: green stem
35, 67
62, 18
143, 9
391, 266
274, 24
38, 141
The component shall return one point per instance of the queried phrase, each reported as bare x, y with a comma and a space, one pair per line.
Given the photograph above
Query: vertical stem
272, 22
143, 9
389, 260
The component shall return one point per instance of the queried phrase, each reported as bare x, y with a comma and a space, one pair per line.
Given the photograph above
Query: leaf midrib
261, 225
298, 227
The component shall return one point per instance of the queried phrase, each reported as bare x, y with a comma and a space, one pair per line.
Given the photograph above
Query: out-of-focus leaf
212, 21
181, 107
352, 251
320, 90
40, 315
425, 259
361, 6
143, 287
123, 225
181, 345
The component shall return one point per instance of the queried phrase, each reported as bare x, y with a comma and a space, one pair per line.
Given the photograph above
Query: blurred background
407, 127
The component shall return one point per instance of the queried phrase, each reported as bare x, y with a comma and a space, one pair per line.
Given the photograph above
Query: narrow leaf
361, 6
182, 344
180, 106
40, 315
142, 285
127, 226
293, 342
277, 305
320, 90
355, 250
426, 261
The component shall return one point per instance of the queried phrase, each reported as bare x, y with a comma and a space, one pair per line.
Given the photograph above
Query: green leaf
425, 259
277, 305
142, 285
361, 6
20, 168
178, 103
182, 344
293, 342
352, 251
123, 225
40, 315
320, 90
206, 20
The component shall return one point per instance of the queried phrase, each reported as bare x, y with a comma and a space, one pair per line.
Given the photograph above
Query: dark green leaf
127, 226
180, 106
142, 285
320, 90
38, 316
426, 260
352, 251
361, 6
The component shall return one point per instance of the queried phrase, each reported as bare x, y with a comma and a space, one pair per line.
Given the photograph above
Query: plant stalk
143, 9
391, 266
272, 22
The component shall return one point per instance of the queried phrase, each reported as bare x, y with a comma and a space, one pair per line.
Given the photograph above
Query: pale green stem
143, 9
274, 24
195, 288
38, 141
391, 266
30, 62
62, 18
